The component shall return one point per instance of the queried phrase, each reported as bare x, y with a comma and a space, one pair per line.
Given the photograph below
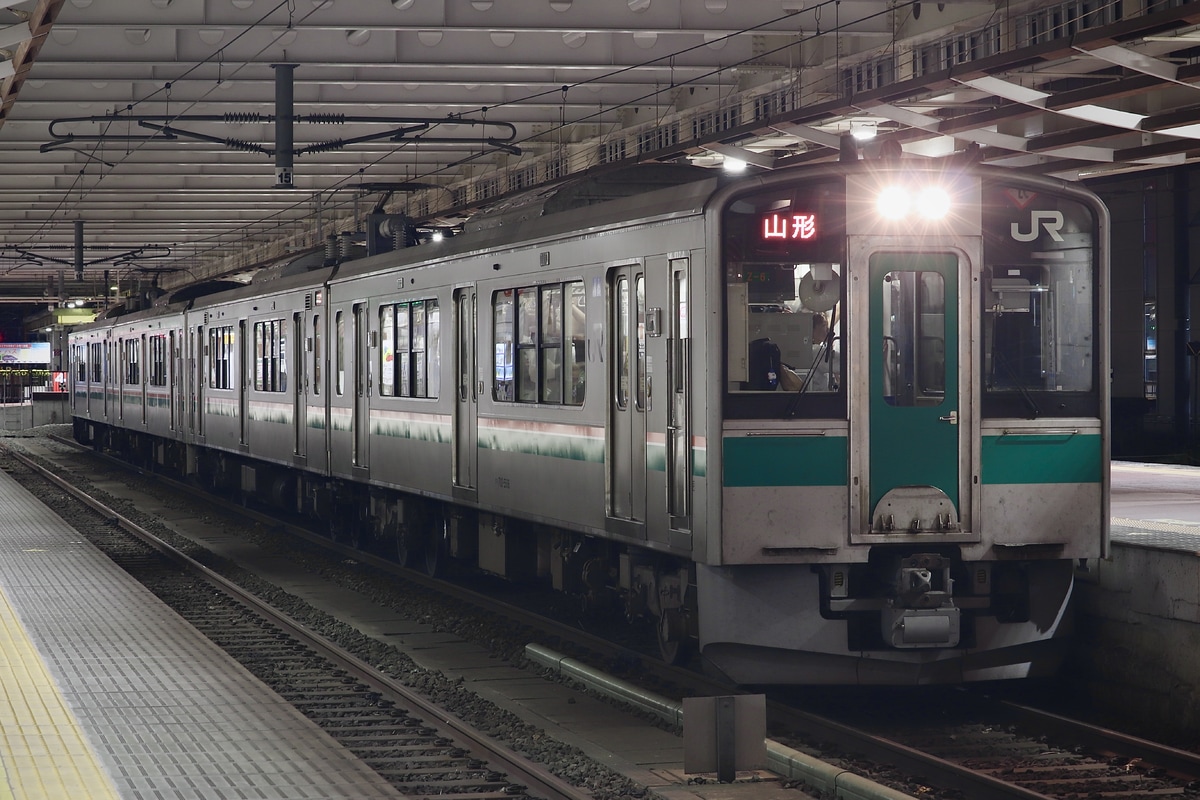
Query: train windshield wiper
1034, 411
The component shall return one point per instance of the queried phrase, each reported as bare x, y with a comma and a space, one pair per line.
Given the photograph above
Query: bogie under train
831, 424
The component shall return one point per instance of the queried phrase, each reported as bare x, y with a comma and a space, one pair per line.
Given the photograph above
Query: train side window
340, 352
158, 360
419, 343
270, 356
550, 344
78, 355
409, 361
575, 333
404, 349
527, 340
220, 357
387, 351
96, 359
502, 343
132, 372
539, 344
433, 355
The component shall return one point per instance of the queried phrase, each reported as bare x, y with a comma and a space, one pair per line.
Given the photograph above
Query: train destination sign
789, 226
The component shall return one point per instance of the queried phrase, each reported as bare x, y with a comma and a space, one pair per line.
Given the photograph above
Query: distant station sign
12, 353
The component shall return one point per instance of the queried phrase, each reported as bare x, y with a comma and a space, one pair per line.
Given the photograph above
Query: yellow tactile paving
43, 753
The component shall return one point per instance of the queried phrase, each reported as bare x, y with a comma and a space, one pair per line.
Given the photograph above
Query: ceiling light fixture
863, 131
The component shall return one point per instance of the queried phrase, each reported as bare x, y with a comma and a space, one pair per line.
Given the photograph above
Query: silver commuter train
831, 424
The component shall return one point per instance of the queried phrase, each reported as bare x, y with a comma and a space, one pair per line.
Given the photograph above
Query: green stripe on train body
786, 461
542, 443
1042, 458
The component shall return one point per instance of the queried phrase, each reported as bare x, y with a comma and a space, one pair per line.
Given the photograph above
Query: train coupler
921, 627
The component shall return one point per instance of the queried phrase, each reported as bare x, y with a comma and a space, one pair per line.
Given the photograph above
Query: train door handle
952, 418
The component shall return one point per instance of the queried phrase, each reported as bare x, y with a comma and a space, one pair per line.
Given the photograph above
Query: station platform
107, 693
1138, 611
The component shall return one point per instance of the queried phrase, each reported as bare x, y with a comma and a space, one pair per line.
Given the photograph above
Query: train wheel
353, 536
407, 550
674, 645
347, 529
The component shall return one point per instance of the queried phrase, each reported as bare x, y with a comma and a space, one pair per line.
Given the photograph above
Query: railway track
988, 749
995, 750
419, 746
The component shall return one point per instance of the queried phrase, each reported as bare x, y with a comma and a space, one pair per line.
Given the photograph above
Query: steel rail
520, 769
935, 770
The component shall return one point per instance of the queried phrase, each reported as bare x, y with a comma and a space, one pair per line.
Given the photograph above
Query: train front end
913, 424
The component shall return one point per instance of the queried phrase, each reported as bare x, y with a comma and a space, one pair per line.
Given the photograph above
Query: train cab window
539, 344
1040, 305
783, 250
784, 339
409, 361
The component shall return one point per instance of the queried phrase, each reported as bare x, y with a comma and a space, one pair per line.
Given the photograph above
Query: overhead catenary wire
221, 241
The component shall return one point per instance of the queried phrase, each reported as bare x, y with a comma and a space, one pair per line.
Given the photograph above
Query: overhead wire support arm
232, 144
169, 129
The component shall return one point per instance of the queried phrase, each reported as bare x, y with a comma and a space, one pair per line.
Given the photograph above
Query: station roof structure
173, 141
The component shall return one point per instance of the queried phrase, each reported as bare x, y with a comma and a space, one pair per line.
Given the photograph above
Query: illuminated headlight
933, 202
894, 202
898, 202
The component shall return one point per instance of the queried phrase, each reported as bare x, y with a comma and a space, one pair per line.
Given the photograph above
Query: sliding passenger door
629, 399
465, 398
318, 392
361, 421
143, 375
175, 378
299, 386
246, 369
199, 369
679, 428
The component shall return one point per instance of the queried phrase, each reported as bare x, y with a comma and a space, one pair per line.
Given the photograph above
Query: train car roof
622, 197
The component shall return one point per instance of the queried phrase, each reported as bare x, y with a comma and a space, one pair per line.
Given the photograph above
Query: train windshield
784, 302
1039, 306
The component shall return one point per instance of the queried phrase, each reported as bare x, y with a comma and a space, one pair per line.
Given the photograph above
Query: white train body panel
829, 446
